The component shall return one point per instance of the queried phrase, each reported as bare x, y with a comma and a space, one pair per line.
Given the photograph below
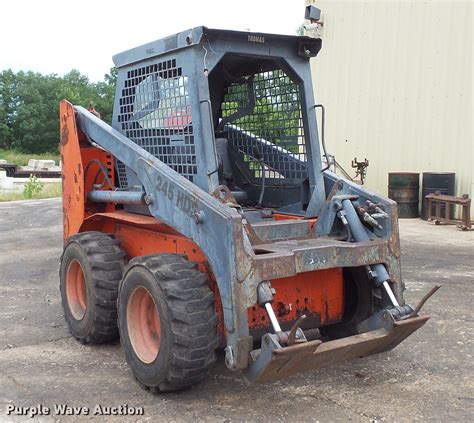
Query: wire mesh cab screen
271, 130
155, 113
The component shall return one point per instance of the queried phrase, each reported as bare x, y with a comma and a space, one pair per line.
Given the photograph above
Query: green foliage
50, 190
7, 108
29, 117
21, 159
33, 187
276, 115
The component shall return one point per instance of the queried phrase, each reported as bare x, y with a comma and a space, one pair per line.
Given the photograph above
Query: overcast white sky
55, 36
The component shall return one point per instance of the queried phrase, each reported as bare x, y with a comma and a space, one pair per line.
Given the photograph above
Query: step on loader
203, 219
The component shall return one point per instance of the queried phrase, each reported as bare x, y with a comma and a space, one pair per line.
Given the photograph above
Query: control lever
258, 157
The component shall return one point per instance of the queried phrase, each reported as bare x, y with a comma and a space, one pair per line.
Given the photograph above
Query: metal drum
404, 188
437, 181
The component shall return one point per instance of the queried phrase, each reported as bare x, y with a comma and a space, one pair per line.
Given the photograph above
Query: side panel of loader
81, 170
72, 171
319, 295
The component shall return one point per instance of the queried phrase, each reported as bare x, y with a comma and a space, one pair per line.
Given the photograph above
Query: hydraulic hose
358, 231
360, 235
323, 139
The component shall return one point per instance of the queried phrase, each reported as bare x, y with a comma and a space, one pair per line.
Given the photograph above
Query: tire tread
193, 318
107, 261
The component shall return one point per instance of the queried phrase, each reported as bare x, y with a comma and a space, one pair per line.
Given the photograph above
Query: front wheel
357, 304
167, 322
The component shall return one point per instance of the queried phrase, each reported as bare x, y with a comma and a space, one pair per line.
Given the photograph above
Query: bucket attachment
273, 361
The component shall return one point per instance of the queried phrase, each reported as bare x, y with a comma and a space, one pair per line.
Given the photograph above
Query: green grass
21, 159
49, 191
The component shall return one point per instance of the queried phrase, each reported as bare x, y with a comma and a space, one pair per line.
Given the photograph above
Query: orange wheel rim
143, 323
76, 290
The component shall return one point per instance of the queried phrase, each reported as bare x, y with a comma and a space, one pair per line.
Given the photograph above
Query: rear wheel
90, 273
167, 322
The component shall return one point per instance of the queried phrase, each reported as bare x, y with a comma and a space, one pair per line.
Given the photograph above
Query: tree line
29, 106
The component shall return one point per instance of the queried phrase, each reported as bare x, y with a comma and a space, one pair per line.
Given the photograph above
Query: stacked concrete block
34, 164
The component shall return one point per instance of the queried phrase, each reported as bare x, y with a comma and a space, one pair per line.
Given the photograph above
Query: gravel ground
429, 377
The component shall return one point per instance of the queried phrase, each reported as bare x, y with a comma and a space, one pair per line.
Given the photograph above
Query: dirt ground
429, 377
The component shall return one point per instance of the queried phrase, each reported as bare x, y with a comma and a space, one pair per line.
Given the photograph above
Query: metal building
396, 80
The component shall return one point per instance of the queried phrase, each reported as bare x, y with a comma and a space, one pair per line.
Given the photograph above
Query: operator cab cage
226, 108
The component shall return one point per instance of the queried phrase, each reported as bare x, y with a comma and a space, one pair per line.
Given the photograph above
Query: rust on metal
318, 295
294, 329
423, 301
285, 258
73, 188
64, 130
361, 169
316, 354
224, 195
404, 188
437, 200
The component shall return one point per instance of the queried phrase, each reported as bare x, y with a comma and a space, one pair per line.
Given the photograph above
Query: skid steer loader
202, 218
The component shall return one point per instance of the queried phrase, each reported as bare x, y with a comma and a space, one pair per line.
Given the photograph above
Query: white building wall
396, 80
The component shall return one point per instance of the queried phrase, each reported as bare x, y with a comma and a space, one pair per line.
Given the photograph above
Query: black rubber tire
102, 261
188, 321
357, 303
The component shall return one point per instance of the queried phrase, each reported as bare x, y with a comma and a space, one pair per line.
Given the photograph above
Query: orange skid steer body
202, 218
